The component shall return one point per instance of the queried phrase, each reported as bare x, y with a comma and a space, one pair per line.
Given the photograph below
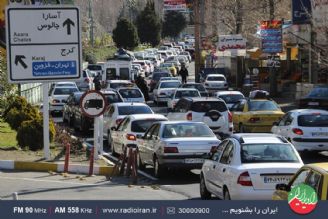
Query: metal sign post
46, 141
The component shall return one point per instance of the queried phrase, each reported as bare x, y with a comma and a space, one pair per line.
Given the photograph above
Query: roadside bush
18, 111
30, 134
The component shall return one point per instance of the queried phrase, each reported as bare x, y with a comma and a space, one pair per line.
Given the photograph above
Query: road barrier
67, 156
92, 160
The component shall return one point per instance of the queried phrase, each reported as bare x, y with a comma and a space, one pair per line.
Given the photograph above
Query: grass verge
7, 136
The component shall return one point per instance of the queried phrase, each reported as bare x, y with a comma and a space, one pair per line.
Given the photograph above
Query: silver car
177, 145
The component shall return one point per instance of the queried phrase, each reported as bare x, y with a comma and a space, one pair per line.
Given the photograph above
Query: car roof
197, 99
108, 92
254, 138
119, 81
214, 75
192, 83
127, 88
147, 116
170, 81
186, 89
180, 122
229, 92
308, 111
129, 104
319, 166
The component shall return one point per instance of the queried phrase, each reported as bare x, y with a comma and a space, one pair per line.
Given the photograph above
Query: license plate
313, 103
194, 160
318, 134
276, 179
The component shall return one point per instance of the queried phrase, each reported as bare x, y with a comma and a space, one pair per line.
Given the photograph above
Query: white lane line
51, 181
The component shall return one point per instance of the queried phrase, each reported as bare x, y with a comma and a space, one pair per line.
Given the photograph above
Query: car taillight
189, 116
55, 101
118, 121
230, 116
171, 150
254, 119
87, 80
214, 149
131, 137
298, 131
244, 179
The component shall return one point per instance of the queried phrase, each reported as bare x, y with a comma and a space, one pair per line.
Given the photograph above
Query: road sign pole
96, 136
101, 134
46, 143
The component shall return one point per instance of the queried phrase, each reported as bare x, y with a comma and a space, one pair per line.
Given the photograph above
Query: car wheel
140, 164
241, 128
226, 195
158, 169
204, 193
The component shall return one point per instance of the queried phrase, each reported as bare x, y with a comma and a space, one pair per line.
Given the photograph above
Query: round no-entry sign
93, 103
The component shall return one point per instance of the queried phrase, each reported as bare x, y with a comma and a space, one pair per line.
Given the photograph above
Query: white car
175, 145
116, 112
306, 129
215, 82
164, 90
61, 84
230, 97
144, 65
180, 93
248, 167
58, 97
115, 84
86, 82
212, 111
131, 94
130, 128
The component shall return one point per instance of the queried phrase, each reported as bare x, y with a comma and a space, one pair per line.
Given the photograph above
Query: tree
149, 25
125, 35
174, 23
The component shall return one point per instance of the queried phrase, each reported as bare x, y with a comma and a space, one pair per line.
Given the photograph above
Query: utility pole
91, 24
197, 39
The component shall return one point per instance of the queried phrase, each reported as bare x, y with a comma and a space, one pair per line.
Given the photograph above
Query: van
118, 69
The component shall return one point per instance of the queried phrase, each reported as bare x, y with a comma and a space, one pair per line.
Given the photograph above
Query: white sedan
180, 93
306, 129
248, 167
131, 94
131, 127
230, 97
164, 90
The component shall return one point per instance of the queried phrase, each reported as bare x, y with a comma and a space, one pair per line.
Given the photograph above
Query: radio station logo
302, 199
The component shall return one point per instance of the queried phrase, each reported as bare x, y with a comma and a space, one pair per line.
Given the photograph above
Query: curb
54, 167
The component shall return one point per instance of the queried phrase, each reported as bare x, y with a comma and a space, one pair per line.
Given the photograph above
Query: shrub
30, 134
19, 111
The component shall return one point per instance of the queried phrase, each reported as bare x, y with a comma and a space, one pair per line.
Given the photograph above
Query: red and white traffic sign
93, 103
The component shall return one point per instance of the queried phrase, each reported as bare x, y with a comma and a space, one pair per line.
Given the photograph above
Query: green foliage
98, 54
30, 134
149, 25
19, 111
125, 35
174, 23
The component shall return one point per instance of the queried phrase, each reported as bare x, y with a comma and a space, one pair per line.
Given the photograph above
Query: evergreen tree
174, 23
125, 35
149, 25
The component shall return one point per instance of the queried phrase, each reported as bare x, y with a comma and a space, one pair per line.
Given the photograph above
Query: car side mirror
283, 187
113, 128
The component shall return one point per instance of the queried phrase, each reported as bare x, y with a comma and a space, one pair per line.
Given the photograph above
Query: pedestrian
183, 73
97, 82
142, 85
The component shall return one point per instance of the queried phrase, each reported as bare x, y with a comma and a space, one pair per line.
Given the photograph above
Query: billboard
232, 43
175, 5
271, 35
301, 11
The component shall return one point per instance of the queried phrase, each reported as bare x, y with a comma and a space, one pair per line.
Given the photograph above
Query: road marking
51, 181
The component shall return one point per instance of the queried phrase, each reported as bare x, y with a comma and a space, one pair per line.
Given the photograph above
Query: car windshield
65, 90
143, 125
173, 84
205, 106
186, 93
215, 78
94, 67
231, 98
267, 153
315, 120
199, 87
130, 93
118, 85
319, 92
128, 110
66, 85
262, 106
183, 130
157, 76
113, 98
